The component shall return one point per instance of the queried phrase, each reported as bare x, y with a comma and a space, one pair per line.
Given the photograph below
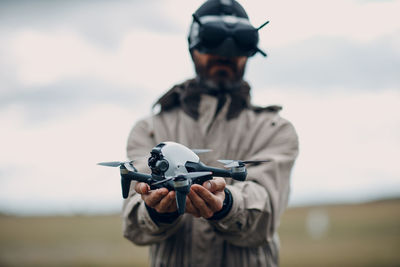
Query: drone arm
128, 176
201, 167
142, 177
201, 180
238, 174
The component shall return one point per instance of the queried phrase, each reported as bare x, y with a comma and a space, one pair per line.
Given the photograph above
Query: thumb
215, 185
142, 188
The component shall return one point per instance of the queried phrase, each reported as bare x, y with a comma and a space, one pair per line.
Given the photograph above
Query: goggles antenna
261, 52
262, 26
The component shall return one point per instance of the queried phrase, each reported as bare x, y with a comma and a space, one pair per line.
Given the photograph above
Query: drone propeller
115, 163
239, 163
127, 164
201, 151
111, 163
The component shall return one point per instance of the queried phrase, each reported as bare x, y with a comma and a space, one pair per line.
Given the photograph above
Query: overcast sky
76, 75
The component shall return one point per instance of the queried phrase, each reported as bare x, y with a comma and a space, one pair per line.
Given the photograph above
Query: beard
220, 73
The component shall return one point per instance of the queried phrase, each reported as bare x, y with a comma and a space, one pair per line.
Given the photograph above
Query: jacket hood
187, 96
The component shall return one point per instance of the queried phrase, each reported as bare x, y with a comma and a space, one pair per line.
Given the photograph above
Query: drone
176, 167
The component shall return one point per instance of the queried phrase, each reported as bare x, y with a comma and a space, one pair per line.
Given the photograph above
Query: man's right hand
161, 199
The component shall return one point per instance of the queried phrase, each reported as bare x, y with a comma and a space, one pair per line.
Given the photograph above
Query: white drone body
177, 155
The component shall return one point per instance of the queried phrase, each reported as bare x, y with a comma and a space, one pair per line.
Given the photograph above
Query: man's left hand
204, 201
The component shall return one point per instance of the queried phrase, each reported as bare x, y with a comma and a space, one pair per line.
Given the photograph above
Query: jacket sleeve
138, 226
259, 201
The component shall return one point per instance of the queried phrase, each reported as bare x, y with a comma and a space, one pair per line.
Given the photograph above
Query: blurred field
356, 235
341, 235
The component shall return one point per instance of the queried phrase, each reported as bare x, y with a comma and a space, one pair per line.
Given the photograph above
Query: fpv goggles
226, 35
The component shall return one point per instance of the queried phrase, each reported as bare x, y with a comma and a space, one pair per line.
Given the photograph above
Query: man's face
219, 71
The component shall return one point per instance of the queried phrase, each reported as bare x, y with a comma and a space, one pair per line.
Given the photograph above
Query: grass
67, 241
357, 235
354, 235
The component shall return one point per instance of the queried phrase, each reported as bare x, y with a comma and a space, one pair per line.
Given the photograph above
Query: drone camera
162, 165
156, 162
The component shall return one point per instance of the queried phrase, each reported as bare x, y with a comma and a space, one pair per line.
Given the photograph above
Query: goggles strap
197, 19
226, 6
226, 2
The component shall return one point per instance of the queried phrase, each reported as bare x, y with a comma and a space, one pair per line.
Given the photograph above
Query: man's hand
204, 201
161, 200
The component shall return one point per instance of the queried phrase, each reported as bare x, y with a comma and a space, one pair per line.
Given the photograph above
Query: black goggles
213, 33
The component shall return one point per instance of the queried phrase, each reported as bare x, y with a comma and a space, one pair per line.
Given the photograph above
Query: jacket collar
187, 96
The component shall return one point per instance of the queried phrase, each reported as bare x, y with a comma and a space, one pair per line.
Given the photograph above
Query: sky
76, 75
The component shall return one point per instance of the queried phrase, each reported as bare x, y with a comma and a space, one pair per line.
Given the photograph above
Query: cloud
66, 98
323, 63
53, 56
61, 72
103, 22
293, 21
51, 167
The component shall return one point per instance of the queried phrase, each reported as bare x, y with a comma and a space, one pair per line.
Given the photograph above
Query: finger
216, 184
165, 203
142, 188
154, 197
200, 204
191, 209
213, 201
173, 206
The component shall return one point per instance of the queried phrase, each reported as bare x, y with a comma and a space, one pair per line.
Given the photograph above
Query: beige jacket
247, 235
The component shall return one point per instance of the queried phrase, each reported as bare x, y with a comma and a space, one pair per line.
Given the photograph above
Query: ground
334, 235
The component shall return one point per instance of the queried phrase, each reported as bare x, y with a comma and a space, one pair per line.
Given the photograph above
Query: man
226, 223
